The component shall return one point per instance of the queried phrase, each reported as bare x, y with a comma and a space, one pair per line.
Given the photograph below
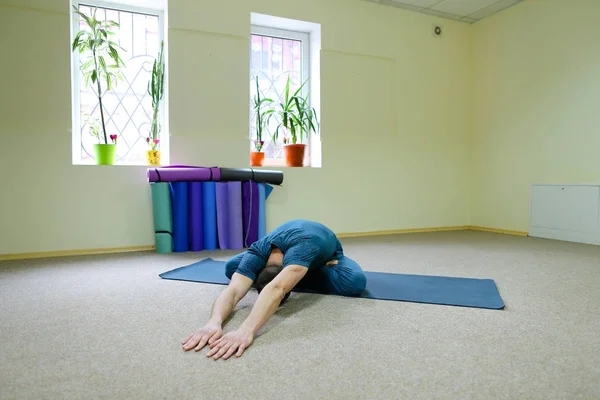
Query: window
282, 48
128, 106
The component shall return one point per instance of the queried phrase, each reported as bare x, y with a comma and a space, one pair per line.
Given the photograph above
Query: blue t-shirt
305, 243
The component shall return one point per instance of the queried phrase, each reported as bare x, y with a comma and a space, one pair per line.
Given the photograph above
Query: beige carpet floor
107, 327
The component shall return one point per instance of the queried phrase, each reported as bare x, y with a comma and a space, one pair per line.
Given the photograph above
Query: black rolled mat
246, 174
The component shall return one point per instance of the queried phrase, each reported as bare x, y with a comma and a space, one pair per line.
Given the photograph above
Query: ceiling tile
421, 10
419, 3
467, 11
494, 8
463, 7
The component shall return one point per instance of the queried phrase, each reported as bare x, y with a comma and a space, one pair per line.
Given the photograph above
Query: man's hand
331, 263
233, 342
208, 334
222, 308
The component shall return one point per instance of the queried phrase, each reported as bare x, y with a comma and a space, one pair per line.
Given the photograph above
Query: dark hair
267, 275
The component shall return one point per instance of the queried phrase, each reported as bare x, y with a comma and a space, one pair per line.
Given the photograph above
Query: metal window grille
127, 107
276, 54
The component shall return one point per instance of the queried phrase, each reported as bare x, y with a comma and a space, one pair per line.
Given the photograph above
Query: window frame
305, 68
76, 75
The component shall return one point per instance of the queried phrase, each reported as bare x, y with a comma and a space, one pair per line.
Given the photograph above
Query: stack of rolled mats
208, 208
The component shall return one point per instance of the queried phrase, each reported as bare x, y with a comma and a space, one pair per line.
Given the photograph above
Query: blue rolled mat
223, 214
209, 215
250, 204
451, 291
264, 191
195, 221
262, 211
179, 202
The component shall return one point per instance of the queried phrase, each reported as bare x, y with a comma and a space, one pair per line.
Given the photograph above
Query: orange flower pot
294, 154
257, 158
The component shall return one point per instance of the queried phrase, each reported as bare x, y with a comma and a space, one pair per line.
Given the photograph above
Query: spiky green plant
156, 91
262, 117
295, 115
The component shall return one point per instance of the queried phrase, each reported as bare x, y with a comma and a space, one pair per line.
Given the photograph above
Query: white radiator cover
565, 212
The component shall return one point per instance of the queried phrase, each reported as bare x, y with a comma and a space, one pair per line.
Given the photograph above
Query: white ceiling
460, 10
154, 4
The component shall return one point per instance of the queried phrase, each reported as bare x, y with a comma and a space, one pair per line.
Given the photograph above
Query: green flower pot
105, 154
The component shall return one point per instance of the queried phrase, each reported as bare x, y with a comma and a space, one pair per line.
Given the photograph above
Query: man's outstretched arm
222, 308
266, 305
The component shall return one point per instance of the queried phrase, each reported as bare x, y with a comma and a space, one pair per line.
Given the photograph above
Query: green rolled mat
163, 220
164, 242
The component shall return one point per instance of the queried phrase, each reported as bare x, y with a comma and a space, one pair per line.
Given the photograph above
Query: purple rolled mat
236, 233
181, 166
195, 216
223, 214
250, 205
183, 174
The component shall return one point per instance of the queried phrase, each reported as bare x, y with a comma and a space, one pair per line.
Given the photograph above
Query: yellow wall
394, 149
537, 119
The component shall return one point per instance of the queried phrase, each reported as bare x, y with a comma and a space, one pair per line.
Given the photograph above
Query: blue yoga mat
262, 211
264, 191
451, 291
209, 215
179, 194
195, 216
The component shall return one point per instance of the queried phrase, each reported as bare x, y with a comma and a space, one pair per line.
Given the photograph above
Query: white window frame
76, 87
305, 67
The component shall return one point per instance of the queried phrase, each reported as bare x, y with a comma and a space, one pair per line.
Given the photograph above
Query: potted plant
257, 157
94, 124
103, 63
156, 91
297, 119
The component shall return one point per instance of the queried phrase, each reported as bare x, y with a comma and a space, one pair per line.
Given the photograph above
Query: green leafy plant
262, 117
296, 116
156, 91
94, 125
100, 59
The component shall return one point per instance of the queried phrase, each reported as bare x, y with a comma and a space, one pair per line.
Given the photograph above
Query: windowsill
279, 163
120, 164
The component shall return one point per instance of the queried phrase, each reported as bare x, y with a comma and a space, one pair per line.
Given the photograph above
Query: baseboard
67, 253
428, 230
401, 231
494, 230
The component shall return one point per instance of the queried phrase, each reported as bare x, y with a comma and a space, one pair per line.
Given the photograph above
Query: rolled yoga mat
162, 216
196, 227
223, 214
229, 215
246, 174
250, 205
209, 215
264, 191
451, 291
182, 173
236, 229
180, 199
